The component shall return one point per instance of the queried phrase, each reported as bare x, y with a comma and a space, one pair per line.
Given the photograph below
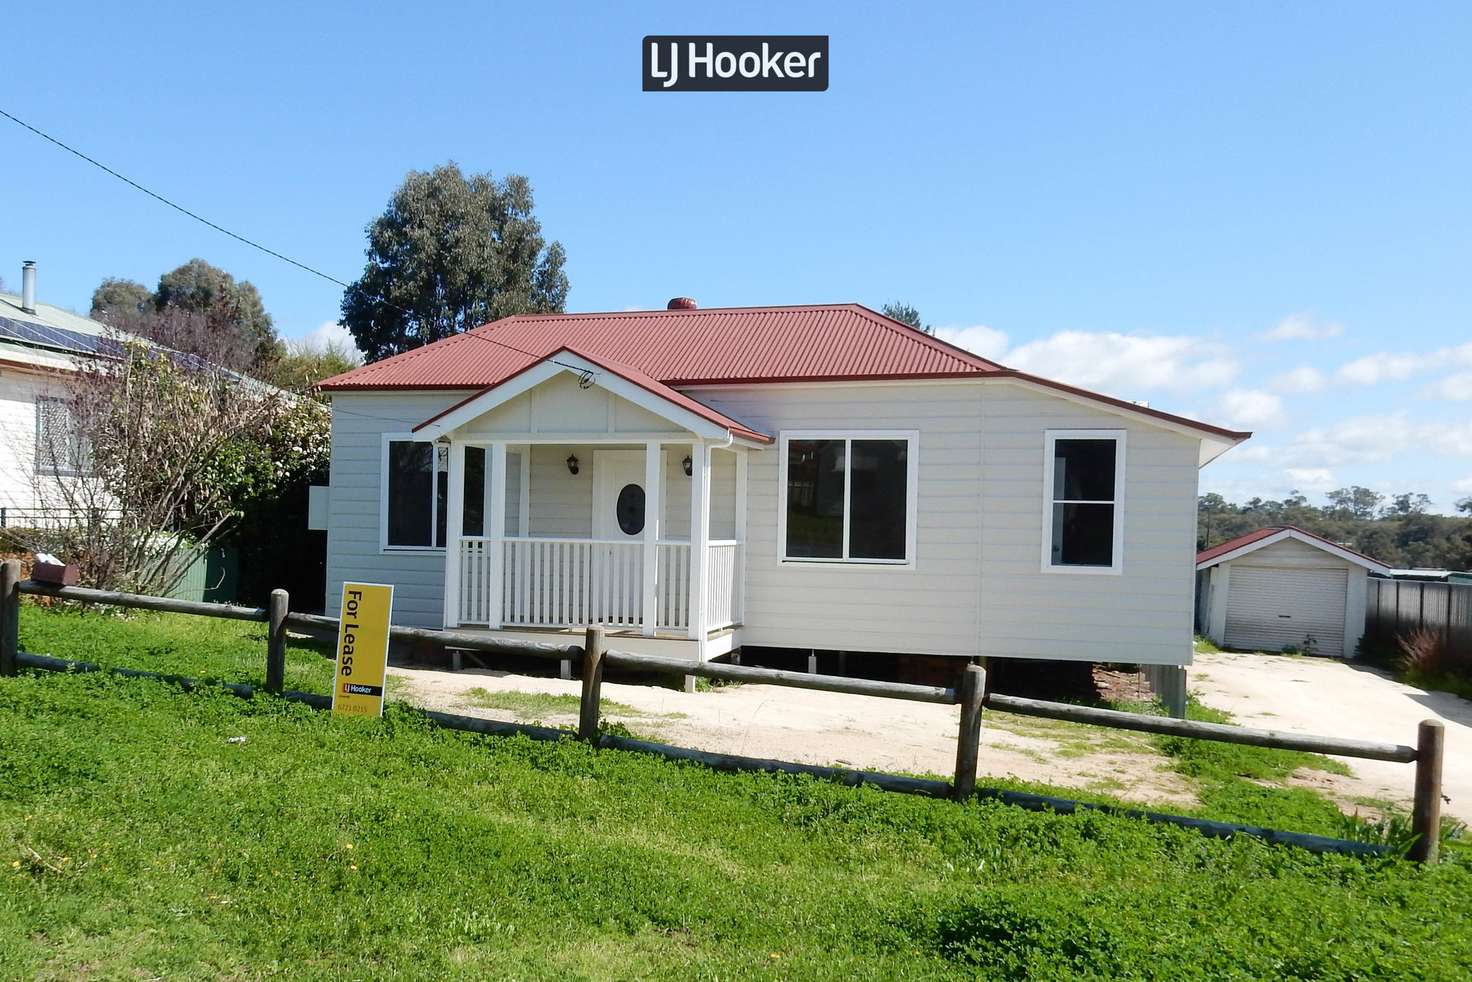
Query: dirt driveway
1303, 694
819, 728
1336, 698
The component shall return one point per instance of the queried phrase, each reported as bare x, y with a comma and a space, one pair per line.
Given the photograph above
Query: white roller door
1271, 608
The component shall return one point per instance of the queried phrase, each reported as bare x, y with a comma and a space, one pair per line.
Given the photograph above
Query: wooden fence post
969, 693
276, 641
592, 684
9, 615
1426, 812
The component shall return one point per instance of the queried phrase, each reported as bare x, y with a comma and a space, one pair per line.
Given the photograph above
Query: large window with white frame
415, 494
848, 497
1083, 501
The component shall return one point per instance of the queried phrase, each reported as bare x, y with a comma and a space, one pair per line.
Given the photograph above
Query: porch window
1084, 477
418, 487
848, 498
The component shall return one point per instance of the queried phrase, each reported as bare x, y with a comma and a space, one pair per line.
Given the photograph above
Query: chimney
680, 303
28, 286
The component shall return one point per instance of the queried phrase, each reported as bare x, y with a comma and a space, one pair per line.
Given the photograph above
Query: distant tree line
1396, 529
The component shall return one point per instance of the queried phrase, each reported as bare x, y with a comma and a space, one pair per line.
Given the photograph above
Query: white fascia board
1308, 540
1212, 446
573, 365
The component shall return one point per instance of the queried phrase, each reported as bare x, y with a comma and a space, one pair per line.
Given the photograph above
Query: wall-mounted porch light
572, 463
689, 466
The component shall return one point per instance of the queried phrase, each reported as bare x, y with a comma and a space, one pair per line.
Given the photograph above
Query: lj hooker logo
736, 63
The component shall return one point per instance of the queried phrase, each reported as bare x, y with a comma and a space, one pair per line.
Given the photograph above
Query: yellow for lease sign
362, 649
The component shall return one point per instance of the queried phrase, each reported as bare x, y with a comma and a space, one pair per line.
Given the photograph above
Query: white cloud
1251, 407
1456, 387
1465, 484
1125, 364
330, 333
988, 342
1303, 327
1311, 478
1397, 366
1305, 378
1377, 439
1383, 367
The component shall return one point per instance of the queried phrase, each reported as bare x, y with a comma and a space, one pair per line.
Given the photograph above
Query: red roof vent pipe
680, 303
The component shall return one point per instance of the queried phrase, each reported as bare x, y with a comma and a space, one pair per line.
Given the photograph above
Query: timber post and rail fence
594, 657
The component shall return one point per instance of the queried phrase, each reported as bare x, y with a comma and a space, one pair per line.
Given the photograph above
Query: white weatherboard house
812, 477
1282, 587
40, 346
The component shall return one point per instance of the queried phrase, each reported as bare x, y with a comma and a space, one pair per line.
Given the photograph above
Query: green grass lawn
137, 840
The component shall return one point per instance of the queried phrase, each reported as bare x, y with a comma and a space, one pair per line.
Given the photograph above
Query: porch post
496, 532
738, 602
699, 536
653, 508
454, 528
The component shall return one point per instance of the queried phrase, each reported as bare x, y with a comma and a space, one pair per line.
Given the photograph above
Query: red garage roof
688, 347
1206, 556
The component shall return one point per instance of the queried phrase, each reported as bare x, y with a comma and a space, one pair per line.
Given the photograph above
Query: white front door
618, 495
618, 528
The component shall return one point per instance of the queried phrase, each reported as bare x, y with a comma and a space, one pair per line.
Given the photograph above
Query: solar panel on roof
58, 338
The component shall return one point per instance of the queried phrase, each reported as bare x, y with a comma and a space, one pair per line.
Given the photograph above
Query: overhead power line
584, 373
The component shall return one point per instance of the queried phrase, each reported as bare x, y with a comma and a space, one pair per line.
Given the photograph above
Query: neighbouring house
1282, 588
40, 346
808, 477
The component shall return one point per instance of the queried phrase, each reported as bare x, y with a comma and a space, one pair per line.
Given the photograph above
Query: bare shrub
160, 453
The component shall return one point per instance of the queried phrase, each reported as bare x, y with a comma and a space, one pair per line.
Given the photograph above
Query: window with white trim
848, 498
417, 483
1084, 488
61, 449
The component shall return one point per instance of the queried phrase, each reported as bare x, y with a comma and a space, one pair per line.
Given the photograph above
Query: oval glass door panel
629, 509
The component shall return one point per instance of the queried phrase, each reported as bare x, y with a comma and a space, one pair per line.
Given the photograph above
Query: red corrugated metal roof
818, 343
1206, 555
1231, 545
731, 344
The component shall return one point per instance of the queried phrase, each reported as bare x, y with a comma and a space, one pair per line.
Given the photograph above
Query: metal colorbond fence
1395, 608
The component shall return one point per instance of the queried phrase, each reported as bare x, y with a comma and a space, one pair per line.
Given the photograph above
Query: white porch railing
723, 582
672, 585
565, 582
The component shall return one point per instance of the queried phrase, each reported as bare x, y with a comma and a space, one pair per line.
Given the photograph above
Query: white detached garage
1283, 588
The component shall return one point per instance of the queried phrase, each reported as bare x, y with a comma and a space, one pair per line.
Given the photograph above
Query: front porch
569, 520
617, 570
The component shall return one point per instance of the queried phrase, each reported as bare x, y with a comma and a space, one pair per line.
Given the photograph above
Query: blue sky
1255, 215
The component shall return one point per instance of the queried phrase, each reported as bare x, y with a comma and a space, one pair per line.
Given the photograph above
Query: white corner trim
1050, 437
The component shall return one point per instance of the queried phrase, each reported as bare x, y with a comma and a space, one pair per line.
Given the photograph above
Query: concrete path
1336, 698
